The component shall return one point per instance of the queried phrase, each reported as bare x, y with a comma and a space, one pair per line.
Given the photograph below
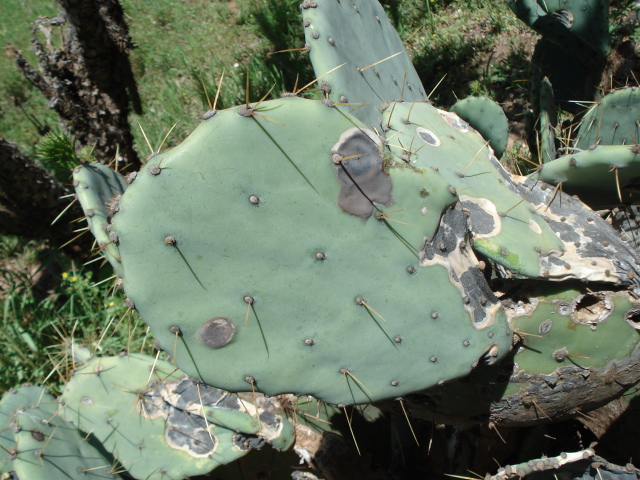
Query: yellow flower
111, 304
74, 279
65, 275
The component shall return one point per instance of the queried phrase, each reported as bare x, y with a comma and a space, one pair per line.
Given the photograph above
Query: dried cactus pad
254, 255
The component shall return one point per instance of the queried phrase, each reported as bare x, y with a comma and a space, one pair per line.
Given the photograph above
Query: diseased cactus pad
259, 263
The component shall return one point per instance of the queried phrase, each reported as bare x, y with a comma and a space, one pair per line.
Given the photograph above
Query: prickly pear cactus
358, 57
40, 445
289, 257
98, 189
156, 421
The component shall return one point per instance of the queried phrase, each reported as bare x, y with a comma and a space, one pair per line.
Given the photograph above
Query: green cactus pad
357, 35
49, 448
604, 176
488, 118
579, 26
98, 188
612, 121
500, 219
27, 396
259, 263
122, 402
580, 349
548, 122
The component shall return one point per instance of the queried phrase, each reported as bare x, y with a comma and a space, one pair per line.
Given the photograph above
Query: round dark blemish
309, 342
607, 273
169, 240
175, 330
209, 114
424, 193
394, 383
545, 327
563, 219
434, 315
589, 219
320, 256
398, 339
433, 359
217, 332
545, 273
411, 269
593, 263
249, 300
466, 343
573, 162
37, 435
254, 199
605, 244
154, 170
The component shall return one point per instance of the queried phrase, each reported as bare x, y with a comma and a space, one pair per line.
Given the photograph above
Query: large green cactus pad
251, 256
371, 65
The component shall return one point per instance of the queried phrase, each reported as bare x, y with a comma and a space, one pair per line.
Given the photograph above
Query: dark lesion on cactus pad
217, 332
358, 164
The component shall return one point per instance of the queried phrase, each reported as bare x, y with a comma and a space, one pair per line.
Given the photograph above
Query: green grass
36, 324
